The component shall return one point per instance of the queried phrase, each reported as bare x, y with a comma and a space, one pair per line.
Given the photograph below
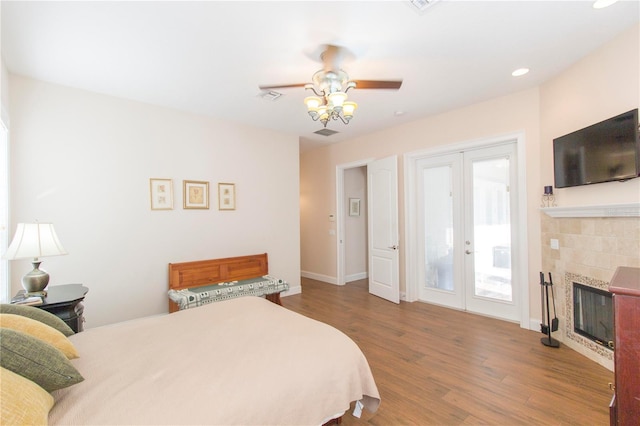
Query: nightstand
64, 301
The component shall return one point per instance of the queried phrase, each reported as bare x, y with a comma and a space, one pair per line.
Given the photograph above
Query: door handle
393, 247
468, 251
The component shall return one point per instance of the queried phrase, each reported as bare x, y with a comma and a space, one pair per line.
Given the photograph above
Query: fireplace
593, 314
582, 321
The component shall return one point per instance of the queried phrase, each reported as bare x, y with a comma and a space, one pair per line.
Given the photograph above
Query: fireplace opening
593, 314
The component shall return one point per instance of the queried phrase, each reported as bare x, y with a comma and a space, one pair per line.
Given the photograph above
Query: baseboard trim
292, 290
319, 277
356, 277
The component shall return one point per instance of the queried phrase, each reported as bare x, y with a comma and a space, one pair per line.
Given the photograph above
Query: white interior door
466, 224
382, 184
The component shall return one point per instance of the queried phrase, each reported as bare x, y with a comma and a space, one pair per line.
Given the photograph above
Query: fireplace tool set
551, 324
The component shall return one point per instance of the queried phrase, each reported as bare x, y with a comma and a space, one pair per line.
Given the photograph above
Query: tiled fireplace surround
594, 241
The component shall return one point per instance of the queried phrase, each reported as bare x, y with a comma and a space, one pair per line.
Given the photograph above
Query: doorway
355, 224
380, 247
465, 215
348, 185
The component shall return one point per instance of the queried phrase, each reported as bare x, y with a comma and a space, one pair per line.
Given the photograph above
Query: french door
466, 226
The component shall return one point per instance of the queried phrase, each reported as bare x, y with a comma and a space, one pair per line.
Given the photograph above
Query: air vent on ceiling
421, 5
270, 95
325, 132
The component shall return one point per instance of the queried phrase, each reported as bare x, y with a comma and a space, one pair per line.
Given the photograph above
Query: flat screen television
604, 152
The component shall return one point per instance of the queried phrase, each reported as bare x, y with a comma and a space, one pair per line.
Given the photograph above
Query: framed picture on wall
195, 194
161, 191
226, 196
354, 206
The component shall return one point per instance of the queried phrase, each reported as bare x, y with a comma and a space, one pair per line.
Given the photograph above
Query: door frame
519, 255
340, 216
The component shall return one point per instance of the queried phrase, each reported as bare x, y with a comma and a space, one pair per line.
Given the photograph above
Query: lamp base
36, 280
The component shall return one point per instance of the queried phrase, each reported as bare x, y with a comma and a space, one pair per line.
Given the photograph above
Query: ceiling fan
330, 86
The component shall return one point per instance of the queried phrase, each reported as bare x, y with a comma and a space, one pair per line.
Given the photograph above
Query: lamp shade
33, 240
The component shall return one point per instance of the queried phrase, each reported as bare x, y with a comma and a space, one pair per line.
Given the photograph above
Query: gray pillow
38, 315
36, 360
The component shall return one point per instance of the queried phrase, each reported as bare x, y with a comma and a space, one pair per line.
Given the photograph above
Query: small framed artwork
226, 196
161, 194
354, 206
195, 194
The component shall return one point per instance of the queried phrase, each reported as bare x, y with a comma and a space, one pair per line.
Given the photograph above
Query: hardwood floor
436, 366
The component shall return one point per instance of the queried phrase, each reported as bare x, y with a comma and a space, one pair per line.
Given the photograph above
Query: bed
242, 361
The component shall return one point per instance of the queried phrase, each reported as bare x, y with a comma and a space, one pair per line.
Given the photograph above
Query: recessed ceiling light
519, 72
601, 4
398, 113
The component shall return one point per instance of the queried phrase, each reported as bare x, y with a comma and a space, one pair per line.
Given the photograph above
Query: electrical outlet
555, 244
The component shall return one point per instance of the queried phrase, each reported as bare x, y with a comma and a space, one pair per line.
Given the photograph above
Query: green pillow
36, 360
38, 315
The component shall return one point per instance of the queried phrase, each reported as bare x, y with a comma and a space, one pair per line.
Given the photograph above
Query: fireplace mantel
605, 210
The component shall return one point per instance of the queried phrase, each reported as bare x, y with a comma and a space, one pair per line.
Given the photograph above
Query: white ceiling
209, 57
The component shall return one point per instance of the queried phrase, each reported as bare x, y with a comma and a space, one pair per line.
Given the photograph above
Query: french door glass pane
492, 229
438, 228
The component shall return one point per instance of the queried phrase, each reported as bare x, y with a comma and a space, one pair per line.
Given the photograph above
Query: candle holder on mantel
548, 199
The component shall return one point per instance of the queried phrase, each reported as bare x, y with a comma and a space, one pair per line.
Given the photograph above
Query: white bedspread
243, 361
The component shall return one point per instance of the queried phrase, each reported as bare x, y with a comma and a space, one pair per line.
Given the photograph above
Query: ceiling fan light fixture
348, 108
312, 102
336, 100
330, 85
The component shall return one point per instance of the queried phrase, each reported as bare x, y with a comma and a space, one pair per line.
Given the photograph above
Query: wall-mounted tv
604, 152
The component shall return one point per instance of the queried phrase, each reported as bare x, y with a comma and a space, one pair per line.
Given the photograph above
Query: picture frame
354, 206
195, 194
226, 196
161, 193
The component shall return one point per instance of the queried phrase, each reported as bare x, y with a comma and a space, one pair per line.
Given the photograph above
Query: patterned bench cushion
198, 296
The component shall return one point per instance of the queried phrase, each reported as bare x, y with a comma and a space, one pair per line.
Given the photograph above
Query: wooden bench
206, 281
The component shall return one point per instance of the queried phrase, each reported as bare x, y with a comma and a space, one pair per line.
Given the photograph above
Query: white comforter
243, 361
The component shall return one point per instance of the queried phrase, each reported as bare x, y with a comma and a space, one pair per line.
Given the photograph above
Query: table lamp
35, 240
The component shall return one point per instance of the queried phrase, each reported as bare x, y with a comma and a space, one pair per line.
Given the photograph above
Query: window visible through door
465, 205
5, 287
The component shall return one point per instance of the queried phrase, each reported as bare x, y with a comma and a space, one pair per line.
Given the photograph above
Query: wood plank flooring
437, 366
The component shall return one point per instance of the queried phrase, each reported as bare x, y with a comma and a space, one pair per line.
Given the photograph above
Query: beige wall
506, 115
83, 161
601, 85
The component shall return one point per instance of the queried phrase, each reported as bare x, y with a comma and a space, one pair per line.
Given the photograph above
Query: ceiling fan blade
282, 86
378, 84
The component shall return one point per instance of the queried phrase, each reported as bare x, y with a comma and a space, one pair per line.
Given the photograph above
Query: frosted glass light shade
336, 100
312, 102
348, 109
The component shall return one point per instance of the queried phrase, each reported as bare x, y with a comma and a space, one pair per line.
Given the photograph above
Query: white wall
83, 161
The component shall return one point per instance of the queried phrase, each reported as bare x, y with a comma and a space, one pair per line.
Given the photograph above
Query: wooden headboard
205, 272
